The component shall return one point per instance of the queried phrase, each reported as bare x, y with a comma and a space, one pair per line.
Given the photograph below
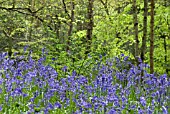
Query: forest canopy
82, 27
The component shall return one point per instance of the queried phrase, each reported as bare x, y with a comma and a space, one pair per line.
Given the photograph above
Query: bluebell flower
142, 101
132, 107
112, 111
46, 111
149, 110
32, 99
0, 90
100, 56
29, 112
57, 105
78, 112
0, 107
140, 111
64, 69
116, 103
25, 95
164, 109
126, 58
122, 54
124, 99
153, 102
87, 105
53, 59
96, 106
25, 48
50, 106
31, 106
1, 81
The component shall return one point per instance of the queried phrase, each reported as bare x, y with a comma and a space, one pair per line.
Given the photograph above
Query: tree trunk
10, 41
57, 26
32, 4
13, 4
152, 38
136, 30
143, 48
89, 25
70, 24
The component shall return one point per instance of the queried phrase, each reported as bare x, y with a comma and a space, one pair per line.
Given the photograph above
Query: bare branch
25, 13
6, 34
65, 8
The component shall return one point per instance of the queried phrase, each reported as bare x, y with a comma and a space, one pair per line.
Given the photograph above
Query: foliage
112, 31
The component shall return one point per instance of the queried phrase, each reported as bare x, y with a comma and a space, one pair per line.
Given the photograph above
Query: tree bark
143, 48
89, 25
10, 41
70, 24
57, 26
32, 4
13, 4
152, 38
136, 30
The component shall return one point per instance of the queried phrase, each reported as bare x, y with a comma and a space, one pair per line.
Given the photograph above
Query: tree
152, 38
98, 27
71, 20
89, 25
143, 48
31, 6
135, 22
105, 4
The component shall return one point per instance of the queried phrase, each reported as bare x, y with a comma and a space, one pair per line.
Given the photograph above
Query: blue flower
57, 105
50, 106
143, 101
164, 109
64, 69
126, 58
25, 48
140, 111
0, 107
112, 111
96, 106
149, 110
53, 59
0, 90
122, 54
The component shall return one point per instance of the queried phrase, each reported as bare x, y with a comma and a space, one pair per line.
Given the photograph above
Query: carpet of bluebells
28, 86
